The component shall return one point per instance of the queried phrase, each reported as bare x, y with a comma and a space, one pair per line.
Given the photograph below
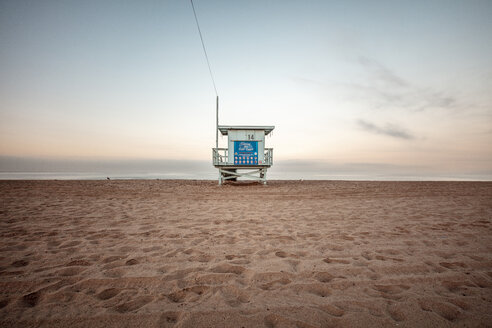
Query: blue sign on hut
246, 155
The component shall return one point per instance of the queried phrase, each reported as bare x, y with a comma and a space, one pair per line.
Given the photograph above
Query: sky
354, 88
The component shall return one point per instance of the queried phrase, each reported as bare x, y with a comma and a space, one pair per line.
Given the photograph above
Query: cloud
382, 73
390, 130
383, 88
386, 89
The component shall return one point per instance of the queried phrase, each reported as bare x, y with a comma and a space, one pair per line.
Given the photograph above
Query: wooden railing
221, 156
268, 156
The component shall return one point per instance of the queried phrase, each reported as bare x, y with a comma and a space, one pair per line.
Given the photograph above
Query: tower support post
217, 122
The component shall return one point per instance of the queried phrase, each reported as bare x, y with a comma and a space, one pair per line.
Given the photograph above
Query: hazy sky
384, 83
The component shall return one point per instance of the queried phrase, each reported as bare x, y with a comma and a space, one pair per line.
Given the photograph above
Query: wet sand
291, 254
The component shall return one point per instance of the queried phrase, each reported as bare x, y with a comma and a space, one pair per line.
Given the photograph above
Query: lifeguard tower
246, 155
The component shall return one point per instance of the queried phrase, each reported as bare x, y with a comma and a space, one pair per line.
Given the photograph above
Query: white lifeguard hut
246, 155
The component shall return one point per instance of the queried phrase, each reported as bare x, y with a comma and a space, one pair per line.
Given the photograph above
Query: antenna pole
217, 123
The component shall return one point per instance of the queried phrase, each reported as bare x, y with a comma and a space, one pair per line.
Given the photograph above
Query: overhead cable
204, 49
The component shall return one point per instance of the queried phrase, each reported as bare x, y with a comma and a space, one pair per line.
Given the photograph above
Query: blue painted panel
246, 152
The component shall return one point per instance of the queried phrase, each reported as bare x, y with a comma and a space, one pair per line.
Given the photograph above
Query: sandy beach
157, 253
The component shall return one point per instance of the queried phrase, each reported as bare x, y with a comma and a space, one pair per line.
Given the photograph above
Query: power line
204, 50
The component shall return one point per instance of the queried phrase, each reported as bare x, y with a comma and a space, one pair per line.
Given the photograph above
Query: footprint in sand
199, 290
232, 257
270, 285
112, 259
19, 263
78, 263
462, 243
234, 296
335, 261
373, 275
71, 244
380, 257
177, 297
389, 292
457, 287
453, 265
268, 277
127, 249
332, 310
202, 258
447, 311
4, 303
215, 278
324, 277
169, 319
70, 271
108, 293
114, 273
395, 311
460, 302
227, 268
152, 249
481, 281
134, 304
391, 289
281, 254
52, 244
16, 247
275, 320
317, 289
32, 299
190, 293
435, 267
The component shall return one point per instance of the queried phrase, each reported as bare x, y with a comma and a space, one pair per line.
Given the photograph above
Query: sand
291, 254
